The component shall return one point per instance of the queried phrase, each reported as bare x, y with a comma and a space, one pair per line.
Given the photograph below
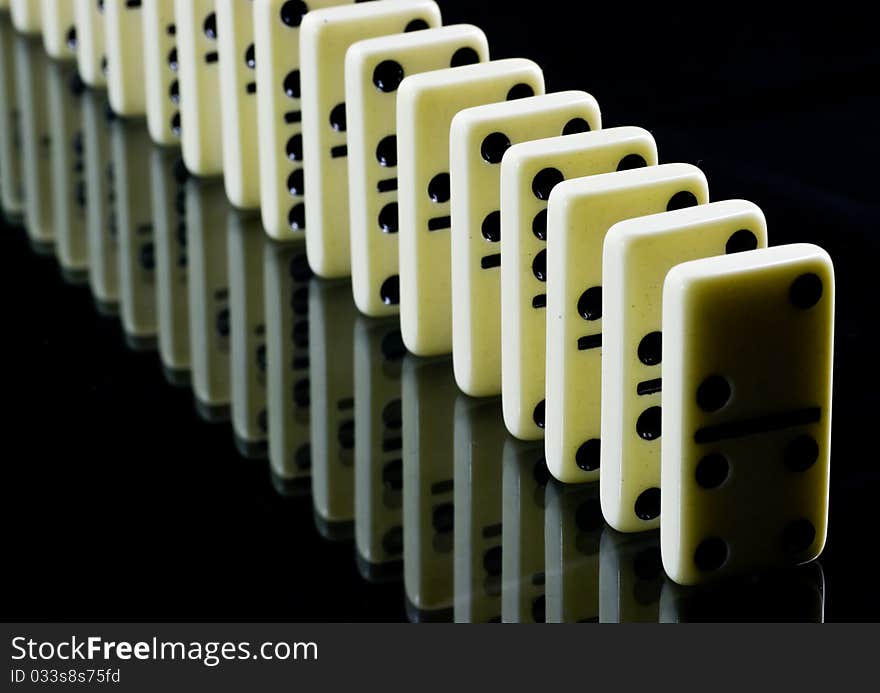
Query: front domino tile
378, 448
573, 529
124, 45
479, 139
428, 395
426, 105
134, 216
631, 577
12, 178
198, 70
161, 64
59, 29
286, 276
90, 47
247, 311
238, 98
325, 37
68, 170
279, 118
747, 412
524, 484
168, 179
331, 355
208, 297
479, 464
581, 212
529, 172
374, 70
638, 253
100, 203
27, 16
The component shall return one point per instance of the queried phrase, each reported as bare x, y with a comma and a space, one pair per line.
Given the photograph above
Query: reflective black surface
144, 396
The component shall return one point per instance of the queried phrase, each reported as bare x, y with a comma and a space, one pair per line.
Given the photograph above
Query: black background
121, 504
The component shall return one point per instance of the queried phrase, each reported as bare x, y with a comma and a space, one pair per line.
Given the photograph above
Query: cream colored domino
479, 139
428, 394
100, 203
161, 62
286, 276
279, 114
247, 311
479, 456
325, 36
198, 69
747, 411
12, 174
68, 170
524, 484
27, 15
638, 254
124, 45
372, 147
206, 250
168, 180
631, 577
378, 448
90, 48
580, 214
134, 217
331, 354
59, 29
426, 105
529, 172
238, 98
572, 531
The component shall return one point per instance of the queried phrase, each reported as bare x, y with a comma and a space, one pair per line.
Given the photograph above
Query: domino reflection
630, 577
11, 174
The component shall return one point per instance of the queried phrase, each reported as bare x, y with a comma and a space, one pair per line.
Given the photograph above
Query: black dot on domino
442, 518
345, 435
801, 453
711, 554
539, 225
337, 118
651, 349
392, 415
71, 38
292, 12
299, 268
493, 147
590, 304
588, 455
492, 227
296, 183
520, 91
805, 291
297, 217
538, 414
540, 473
389, 292
210, 26
492, 561
392, 347
438, 188
250, 57
174, 92
648, 425
575, 126
539, 266
300, 334
386, 152
682, 200
175, 124
388, 75
300, 301
172, 59
388, 218
295, 148
713, 393
712, 471
222, 322
631, 161
545, 181
741, 241
292, 84
416, 25
301, 393
464, 56
798, 536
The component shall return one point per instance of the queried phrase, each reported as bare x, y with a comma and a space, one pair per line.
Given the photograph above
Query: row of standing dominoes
415, 164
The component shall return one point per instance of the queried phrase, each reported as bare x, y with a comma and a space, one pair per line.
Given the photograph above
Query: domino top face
426, 106
59, 28
529, 172
199, 75
372, 147
238, 95
325, 37
581, 213
479, 139
279, 115
638, 253
160, 71
747, 420
90, 54
123, 37
27, 15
